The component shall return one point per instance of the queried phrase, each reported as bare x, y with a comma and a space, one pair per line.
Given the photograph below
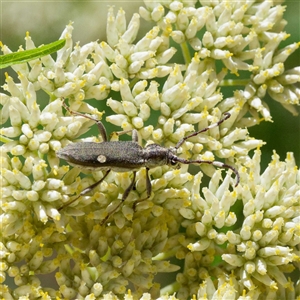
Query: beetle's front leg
85, 191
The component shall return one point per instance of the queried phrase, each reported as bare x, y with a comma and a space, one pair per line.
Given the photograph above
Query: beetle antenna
214, 163
226, 116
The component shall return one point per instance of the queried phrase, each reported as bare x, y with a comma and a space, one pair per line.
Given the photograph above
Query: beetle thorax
156, 155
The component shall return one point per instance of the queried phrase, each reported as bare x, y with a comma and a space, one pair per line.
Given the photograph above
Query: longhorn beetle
125, 156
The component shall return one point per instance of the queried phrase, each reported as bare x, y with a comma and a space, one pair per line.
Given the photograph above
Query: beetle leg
100, 125
148, 189
134, 134
124, 197
85, 191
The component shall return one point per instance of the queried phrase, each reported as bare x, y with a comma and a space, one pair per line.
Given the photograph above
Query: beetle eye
174, 162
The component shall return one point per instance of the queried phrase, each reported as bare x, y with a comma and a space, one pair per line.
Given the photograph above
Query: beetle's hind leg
148, 189
126, 194
85, 191
124, 197
100, 125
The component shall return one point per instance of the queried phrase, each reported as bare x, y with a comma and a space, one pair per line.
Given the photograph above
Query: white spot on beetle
101, 158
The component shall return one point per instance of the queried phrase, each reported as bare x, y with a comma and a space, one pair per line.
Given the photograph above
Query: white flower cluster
260, 249
220, 241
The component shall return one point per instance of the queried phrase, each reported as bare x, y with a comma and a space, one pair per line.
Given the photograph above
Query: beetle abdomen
120, 156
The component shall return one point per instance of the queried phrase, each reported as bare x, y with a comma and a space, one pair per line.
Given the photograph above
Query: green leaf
27, 55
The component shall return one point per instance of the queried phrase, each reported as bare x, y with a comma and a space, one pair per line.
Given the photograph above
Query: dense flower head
220, 240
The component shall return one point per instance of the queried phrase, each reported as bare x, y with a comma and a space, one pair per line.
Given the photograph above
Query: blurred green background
46, 20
